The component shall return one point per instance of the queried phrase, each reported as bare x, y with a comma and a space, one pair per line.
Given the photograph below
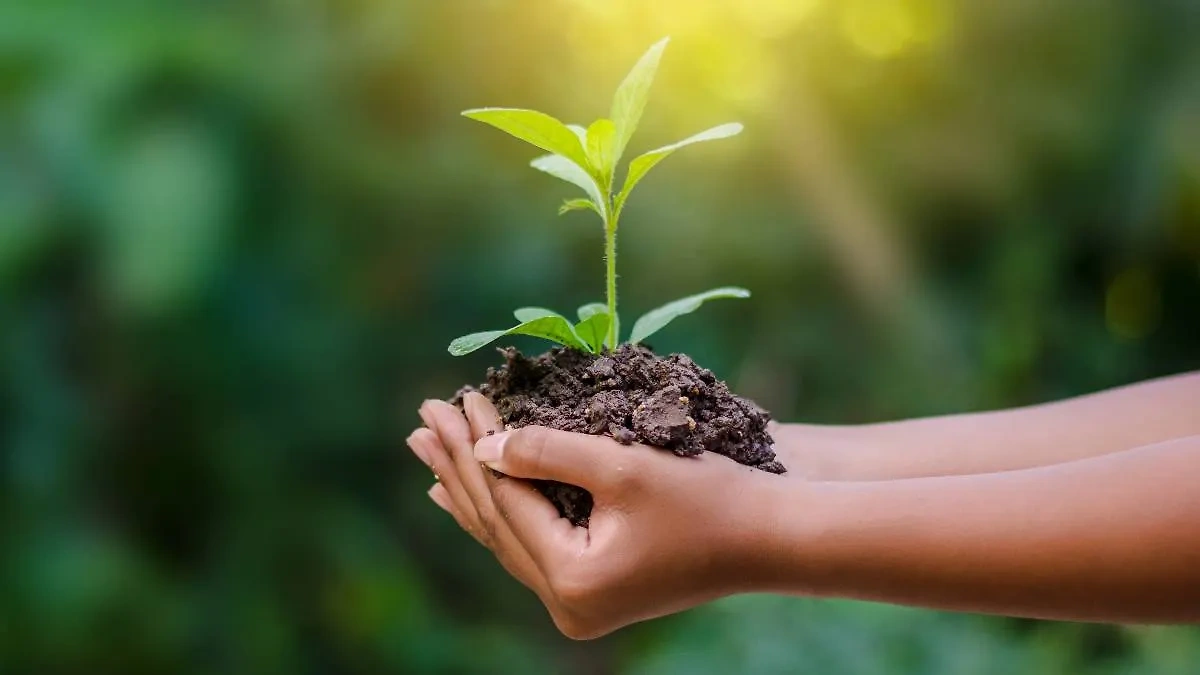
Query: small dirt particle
624, 436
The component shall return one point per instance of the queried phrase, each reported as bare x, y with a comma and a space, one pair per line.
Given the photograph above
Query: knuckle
504, 493
501, 497
628, 472
528, 447
488, 516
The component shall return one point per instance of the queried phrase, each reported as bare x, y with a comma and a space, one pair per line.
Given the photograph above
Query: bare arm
1087, 426
1111, 538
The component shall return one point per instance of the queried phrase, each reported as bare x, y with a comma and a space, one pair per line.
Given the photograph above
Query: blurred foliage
235, 238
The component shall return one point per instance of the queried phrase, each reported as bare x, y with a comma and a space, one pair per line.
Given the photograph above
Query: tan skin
1087, 509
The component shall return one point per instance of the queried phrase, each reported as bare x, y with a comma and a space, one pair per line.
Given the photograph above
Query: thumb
537, 452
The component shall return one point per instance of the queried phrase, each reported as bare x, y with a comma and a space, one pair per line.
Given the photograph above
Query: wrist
775, 547
826, 453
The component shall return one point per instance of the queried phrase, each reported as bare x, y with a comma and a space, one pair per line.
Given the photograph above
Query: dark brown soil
633, 396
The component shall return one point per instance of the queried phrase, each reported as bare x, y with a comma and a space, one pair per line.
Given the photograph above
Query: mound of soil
633, 396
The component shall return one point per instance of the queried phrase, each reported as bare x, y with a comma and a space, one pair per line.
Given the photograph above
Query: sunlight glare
770, 19
880, 29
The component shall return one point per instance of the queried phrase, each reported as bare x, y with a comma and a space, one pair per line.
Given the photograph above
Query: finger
451, 427
423, 443
441, 497
515, 559
509, 553
535, 523
482, 415
578, 459
452, 430
455, 434
426, 445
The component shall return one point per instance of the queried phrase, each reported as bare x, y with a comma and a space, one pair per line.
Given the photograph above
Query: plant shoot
587, 158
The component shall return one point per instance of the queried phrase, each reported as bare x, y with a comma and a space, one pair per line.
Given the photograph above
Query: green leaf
653, 321
469, 343
554, 328
578, 205
642, 164
594, 329
630, 98
564, 169
525, 314
600, 151
533, 127
591, 309
580, 132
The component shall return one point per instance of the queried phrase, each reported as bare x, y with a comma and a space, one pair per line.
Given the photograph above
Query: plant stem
610, 256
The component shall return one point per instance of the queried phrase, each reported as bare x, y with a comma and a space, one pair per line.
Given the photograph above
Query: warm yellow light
881, 29
687, 17
773, 18
743, 71
726, 42
930, 19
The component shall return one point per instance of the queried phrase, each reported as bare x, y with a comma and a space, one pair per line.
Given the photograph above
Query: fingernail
490, 449
438, 494
474, 410
418, 450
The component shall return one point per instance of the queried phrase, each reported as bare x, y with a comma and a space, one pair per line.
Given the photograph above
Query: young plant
587, 158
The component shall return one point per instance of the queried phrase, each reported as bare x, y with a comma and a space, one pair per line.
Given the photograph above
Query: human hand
666, 533
462, 491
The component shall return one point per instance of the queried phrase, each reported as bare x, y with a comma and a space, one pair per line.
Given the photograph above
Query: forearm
1111, 538
1087, 426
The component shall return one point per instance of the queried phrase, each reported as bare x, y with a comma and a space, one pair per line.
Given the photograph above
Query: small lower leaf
580, 204
469, 343
554, 328
653, 321
594, 330
564, 169
591, 309
526, 314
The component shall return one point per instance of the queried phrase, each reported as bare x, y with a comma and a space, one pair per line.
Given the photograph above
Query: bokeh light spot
929, 19
770, 19
689, 17
744, 72
879, 29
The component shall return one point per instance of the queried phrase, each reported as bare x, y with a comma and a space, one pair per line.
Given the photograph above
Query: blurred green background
236, 237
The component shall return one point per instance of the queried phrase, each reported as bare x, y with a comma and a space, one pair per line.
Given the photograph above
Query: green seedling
587, 158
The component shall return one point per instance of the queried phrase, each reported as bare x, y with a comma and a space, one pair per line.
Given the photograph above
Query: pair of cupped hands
666, 533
